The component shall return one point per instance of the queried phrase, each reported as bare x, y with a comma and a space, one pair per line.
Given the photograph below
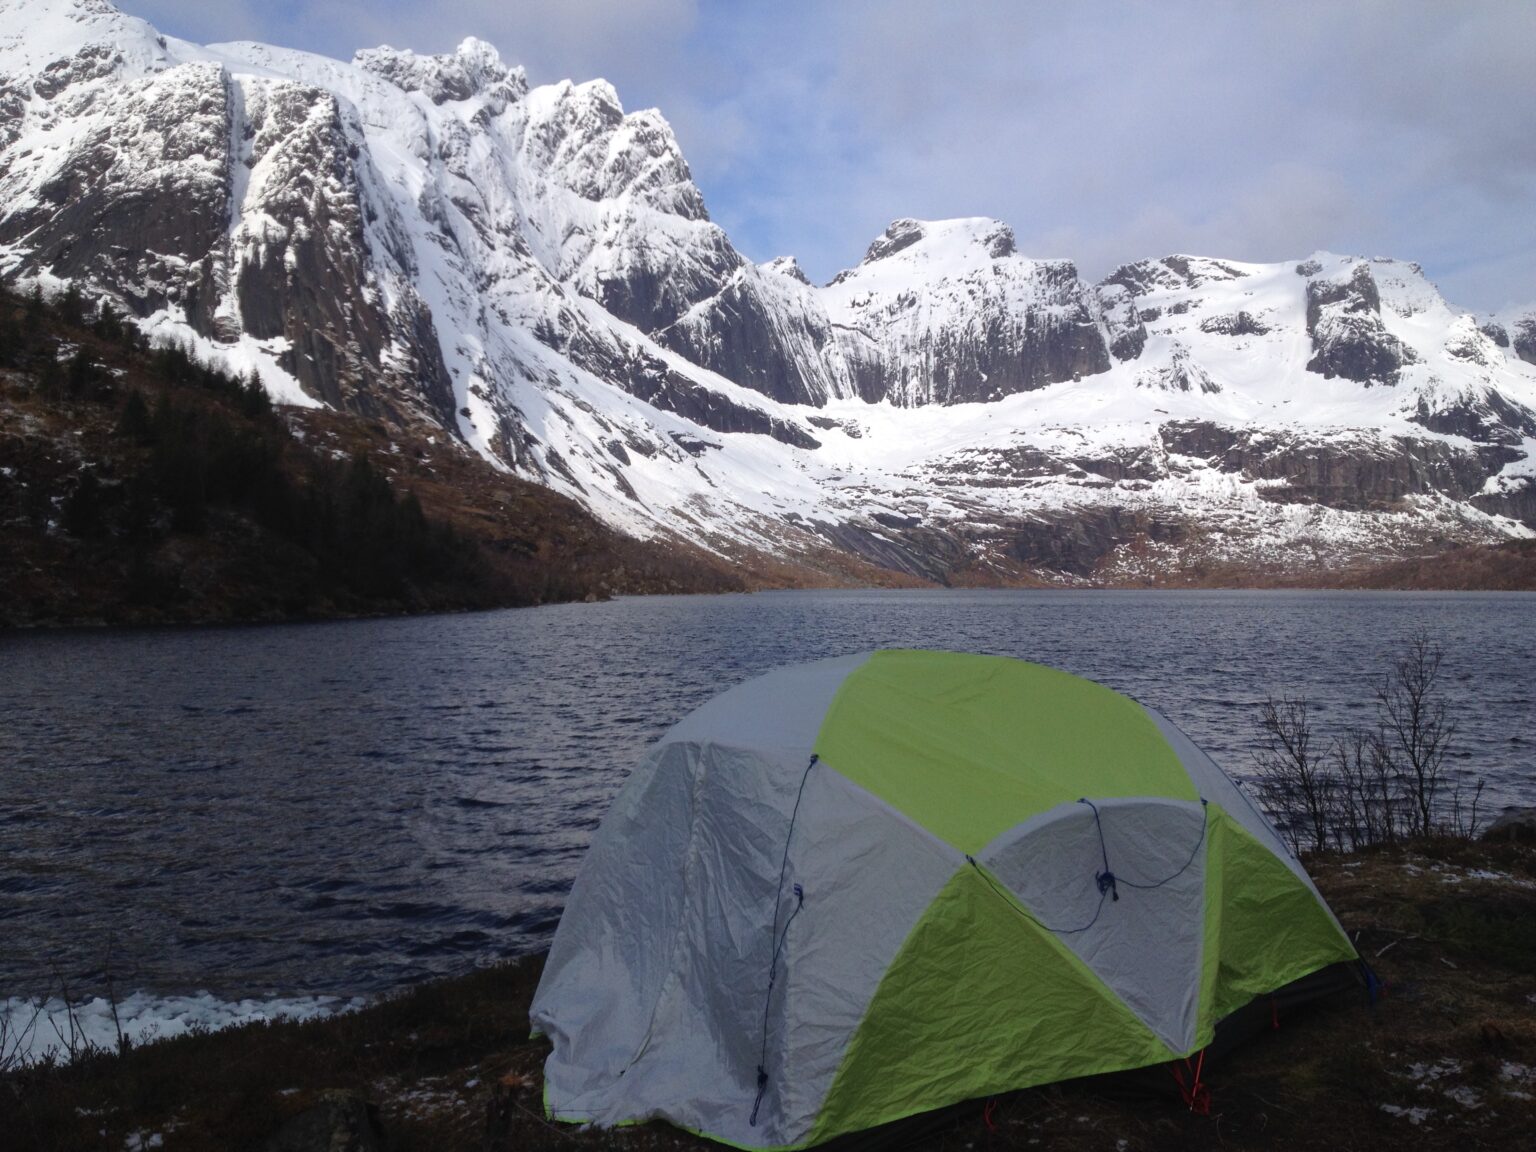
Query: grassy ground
1446, 1061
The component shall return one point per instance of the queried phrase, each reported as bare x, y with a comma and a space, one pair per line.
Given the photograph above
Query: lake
347, 808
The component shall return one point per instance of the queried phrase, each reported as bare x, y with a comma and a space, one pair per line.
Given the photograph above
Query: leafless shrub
1367, 791
1292, 781
1416, 729
16, 1039
1374, 785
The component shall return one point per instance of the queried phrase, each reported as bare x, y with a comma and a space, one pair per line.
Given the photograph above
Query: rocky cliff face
948, 313
1348, 337
532, 271
767, 329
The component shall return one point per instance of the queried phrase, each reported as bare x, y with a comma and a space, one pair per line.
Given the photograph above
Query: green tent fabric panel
979, 1000
968, 746
1263, 926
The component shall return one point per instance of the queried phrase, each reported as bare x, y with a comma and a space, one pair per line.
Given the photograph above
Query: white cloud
1105, 132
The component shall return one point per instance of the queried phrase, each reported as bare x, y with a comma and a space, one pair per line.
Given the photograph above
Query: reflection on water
344, 808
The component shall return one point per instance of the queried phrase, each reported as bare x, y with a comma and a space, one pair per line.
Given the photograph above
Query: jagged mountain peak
474, 68
787, 266
942, 237
426, 239
1177, 273
39, 38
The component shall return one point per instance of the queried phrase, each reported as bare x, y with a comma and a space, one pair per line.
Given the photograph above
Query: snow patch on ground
35, 1029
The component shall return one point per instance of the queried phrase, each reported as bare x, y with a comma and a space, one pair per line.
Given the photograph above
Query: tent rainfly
855, 890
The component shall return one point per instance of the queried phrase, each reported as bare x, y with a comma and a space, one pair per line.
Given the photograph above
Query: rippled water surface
345, 808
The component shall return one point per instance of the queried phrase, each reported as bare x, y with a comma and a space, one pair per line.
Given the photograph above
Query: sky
1103, 132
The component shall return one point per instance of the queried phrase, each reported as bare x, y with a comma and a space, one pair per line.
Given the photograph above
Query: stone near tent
853, 891
341, 1122
1513, 824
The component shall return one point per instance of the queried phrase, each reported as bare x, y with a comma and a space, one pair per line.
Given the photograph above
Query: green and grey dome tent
855, 890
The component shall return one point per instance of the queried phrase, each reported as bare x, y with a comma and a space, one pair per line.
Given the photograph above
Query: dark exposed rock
1513, 824
1358, 348
650, 378
1150, 314
1517, 500
1078, 542
1348, 338
1001, 467
1469, 343
1357, 294
789, 266
557, 461
1308, 268
1354, 475
826, 423
986, 353
1126, 464
771, 342
1127, 335
1523, 339
898, 235
92, 62
927, 553
653, 298
152, 190
1172, 273
638, 445
1496, 332
583, 141
1182, 374
1234, 324
312, 282
141, 208
693, 445
13, 108
1490, 418
621, 482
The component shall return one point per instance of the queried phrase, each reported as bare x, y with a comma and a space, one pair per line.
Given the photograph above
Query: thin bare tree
1416, 730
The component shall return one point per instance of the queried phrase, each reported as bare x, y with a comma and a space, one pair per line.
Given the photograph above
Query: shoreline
99, 626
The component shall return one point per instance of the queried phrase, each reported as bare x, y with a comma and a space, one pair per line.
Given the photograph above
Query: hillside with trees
140, 485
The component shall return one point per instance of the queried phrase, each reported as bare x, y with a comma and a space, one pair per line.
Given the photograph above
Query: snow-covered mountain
430, 240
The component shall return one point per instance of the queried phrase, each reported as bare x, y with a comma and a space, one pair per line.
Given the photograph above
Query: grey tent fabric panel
607, 963
611, 979
1147, 945
782, 709
699, 1068
1220, 789
682, 1044
869, 875
689, 1044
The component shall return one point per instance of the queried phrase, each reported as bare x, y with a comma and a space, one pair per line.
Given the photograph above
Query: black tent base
1346, 980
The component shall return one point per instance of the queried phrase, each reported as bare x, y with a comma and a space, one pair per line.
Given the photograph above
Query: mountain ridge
432, 242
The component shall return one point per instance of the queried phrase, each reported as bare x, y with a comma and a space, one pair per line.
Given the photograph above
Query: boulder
340, 1122
1513, 824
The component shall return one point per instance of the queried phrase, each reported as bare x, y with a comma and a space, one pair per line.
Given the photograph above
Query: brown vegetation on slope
1504, 567
140, 486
